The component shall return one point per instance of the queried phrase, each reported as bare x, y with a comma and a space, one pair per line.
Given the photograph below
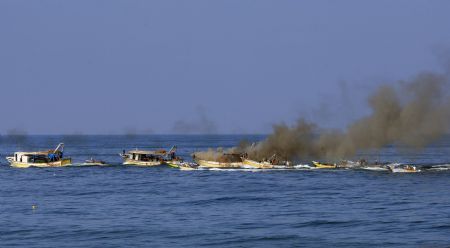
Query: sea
128, 206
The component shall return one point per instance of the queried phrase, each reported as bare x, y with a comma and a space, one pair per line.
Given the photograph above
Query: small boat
173, 163
395, 168
180, 164
143, 158
50, 158
323, 165
93, 162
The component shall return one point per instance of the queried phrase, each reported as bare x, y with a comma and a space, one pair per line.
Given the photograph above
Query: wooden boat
180, 164
50, 158
324, 166
143, 158
225, 160
248, 163
215, 164
173, 163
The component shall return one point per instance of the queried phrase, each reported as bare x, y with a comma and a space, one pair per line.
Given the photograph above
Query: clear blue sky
206, 66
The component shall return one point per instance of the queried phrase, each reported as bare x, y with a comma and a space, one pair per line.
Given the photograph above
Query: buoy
34, 206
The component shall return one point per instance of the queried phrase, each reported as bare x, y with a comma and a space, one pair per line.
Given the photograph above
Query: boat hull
141, 163
173, 164
214, 164
257, 165
60, 163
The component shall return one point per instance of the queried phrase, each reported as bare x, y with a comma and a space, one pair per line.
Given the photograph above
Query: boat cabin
37, 157
146, 155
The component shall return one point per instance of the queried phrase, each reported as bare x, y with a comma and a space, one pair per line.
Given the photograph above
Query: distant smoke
204, 125
133, 133
16, 136
407, 114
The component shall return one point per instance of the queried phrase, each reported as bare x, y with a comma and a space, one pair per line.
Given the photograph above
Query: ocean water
118, 206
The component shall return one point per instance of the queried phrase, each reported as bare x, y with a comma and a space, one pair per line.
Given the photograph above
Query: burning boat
143, 158
50, 158
271, 163
226, 160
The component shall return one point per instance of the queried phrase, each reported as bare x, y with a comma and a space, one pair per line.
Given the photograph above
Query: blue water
121, 206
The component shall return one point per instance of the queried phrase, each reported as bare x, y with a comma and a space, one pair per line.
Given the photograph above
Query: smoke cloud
406, 114
410, 114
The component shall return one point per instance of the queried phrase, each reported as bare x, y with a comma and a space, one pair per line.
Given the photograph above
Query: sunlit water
119, 206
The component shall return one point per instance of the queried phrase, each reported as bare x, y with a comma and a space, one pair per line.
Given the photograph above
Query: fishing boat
272, 163
248, 163
323, 165
143, 158
49, 158
395, 168
215, 164
226, 160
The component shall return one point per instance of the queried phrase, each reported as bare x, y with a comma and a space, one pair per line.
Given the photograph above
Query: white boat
49, 158
143, 158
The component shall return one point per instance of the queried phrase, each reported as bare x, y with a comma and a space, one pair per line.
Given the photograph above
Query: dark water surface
121, 206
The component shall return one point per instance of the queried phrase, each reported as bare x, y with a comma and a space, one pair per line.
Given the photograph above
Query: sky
230, 66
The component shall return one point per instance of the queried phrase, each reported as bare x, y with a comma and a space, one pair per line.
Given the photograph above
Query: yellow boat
182, 165
256, 164
143, 158
214, 164
173, 164
324, 166
50, 158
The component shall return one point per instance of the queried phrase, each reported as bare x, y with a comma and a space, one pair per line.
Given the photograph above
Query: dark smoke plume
407, 114
413, 114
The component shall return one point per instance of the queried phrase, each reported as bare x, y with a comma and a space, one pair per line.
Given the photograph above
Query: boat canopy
32, 153
158, 152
